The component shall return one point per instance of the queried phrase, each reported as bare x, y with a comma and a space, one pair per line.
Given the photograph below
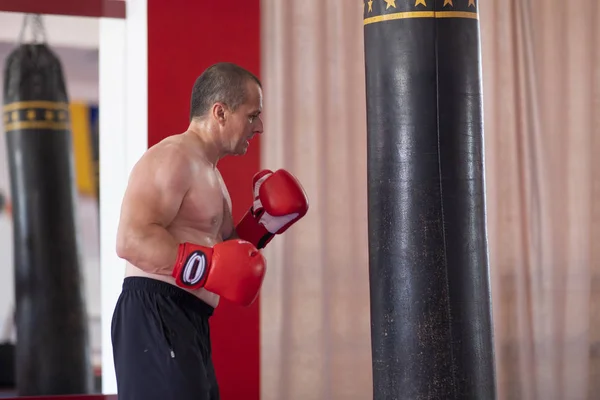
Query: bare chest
205, 210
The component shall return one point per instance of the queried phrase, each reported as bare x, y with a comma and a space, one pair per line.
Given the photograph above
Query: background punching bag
95, 139
429, 275
52, 354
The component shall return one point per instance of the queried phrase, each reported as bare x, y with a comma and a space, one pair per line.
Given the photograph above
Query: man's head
229, 98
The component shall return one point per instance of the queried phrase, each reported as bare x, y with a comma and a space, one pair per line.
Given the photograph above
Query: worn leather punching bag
428, 259
52, 351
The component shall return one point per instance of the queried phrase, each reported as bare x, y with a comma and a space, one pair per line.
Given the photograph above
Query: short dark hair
222, 82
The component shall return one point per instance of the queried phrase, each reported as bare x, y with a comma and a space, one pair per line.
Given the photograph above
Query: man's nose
259, 126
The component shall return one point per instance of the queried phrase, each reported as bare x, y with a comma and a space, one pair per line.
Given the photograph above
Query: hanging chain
37, 29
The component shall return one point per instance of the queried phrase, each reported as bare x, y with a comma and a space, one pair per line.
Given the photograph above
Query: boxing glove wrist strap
192, 266
250, 229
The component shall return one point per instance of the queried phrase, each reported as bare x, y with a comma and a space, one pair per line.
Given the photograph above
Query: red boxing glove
233, 269
279, 201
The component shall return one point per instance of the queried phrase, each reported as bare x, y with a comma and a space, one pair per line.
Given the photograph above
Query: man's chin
242, 149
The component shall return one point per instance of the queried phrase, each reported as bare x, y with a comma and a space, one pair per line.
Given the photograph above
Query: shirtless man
183, 252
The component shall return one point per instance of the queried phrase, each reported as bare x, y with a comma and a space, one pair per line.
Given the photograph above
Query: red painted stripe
82, 8
185, 37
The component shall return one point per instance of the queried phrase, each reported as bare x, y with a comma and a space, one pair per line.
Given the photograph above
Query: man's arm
156, 188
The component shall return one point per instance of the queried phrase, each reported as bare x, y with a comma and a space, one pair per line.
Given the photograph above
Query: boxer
182, 250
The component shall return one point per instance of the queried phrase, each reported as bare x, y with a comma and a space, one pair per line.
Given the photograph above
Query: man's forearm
152, 249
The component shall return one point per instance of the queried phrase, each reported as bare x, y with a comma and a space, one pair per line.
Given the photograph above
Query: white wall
74, 32
80, 65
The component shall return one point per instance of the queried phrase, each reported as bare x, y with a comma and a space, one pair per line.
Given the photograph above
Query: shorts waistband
166, 289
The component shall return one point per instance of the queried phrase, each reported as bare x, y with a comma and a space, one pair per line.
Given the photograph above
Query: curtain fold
315, 300
540, 105
594, 221
541, 81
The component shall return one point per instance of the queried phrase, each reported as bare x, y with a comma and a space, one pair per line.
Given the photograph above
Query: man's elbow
125, 245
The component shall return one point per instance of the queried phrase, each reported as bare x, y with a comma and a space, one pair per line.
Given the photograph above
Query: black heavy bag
52, 355
95, 139
429, 276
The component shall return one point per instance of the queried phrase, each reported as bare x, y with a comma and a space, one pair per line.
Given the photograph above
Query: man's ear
219, 112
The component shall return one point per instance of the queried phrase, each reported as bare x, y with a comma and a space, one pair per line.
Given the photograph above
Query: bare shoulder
158, 183
170, 148
167, 159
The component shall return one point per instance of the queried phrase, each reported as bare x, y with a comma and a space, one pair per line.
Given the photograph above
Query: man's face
245, 121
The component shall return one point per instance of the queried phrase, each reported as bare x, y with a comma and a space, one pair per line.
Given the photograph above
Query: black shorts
161, 343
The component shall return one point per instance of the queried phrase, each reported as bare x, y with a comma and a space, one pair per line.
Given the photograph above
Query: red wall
185, 37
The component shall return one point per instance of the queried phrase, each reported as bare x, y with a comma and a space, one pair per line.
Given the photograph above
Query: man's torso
204, 217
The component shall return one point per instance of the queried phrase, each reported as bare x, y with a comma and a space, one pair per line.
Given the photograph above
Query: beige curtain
541, 68
315, 300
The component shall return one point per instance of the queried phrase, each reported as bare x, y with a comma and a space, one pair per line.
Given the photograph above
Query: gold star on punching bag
390, 3
446, 2
417, 2
370, 3
471, 3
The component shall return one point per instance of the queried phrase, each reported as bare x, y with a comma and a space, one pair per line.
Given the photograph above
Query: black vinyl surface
52, 352
429, 274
